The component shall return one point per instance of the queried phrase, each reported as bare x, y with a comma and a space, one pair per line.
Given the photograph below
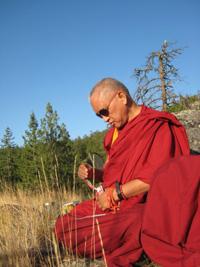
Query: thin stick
45, 177
74, 176
101, 242
40, 181
94, 206
56, 169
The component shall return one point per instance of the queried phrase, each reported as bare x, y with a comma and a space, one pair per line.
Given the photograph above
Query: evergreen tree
8, 166
8, 140
56, 149
30, 165
31, 135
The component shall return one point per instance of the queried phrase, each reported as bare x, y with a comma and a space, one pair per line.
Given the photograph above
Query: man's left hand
103, 201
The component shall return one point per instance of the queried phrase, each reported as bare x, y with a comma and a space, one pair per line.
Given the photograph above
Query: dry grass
26, 230
26, 227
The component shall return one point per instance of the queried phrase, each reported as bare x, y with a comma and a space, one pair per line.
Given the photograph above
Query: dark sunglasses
104, 112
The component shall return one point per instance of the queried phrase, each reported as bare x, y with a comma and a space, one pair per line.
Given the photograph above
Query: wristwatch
118, 191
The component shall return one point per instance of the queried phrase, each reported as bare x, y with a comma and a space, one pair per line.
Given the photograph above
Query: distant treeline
48, 156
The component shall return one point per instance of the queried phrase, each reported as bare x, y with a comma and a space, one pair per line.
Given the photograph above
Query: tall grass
26, 227
27, 221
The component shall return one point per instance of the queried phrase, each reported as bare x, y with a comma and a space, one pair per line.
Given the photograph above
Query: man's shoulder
150, 113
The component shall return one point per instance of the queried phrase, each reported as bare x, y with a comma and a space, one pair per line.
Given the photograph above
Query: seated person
137, 143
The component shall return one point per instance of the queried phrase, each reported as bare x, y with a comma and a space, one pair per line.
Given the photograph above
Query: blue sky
55, 51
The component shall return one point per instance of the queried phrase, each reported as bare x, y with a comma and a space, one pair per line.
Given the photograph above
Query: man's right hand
84, 171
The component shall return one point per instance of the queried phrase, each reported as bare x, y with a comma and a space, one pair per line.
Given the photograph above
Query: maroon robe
143, 145
171, 224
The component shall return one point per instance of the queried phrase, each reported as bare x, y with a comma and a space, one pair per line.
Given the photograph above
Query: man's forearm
132, 188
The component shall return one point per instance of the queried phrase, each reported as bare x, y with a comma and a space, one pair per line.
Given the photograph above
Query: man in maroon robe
139, 141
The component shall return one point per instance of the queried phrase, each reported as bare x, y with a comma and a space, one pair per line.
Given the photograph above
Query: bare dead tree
156, 79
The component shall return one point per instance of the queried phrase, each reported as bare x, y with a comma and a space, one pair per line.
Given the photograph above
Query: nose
105, 118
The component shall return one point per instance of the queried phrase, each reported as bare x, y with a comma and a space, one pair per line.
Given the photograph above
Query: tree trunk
163, 85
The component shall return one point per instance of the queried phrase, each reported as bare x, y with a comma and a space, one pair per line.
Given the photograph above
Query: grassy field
26, 227
26, 230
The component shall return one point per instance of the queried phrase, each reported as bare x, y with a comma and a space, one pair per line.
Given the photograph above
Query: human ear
123, 97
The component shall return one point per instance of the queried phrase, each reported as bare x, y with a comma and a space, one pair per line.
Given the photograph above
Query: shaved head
111, 101
108, 85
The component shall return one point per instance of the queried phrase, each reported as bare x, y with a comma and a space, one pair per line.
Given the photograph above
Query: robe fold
143, 145
171, 224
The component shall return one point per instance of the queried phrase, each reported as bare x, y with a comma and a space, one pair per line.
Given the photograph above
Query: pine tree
56, 155
31, 135
30, 164
156, 79
8, 166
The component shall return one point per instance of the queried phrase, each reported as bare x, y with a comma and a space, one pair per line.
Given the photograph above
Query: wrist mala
119, 191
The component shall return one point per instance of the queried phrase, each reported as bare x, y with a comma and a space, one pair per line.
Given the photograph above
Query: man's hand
84, 171
103, 201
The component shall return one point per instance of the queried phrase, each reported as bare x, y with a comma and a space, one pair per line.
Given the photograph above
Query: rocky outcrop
190, 118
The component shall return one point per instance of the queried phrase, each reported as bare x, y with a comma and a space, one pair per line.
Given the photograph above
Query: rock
190, 118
